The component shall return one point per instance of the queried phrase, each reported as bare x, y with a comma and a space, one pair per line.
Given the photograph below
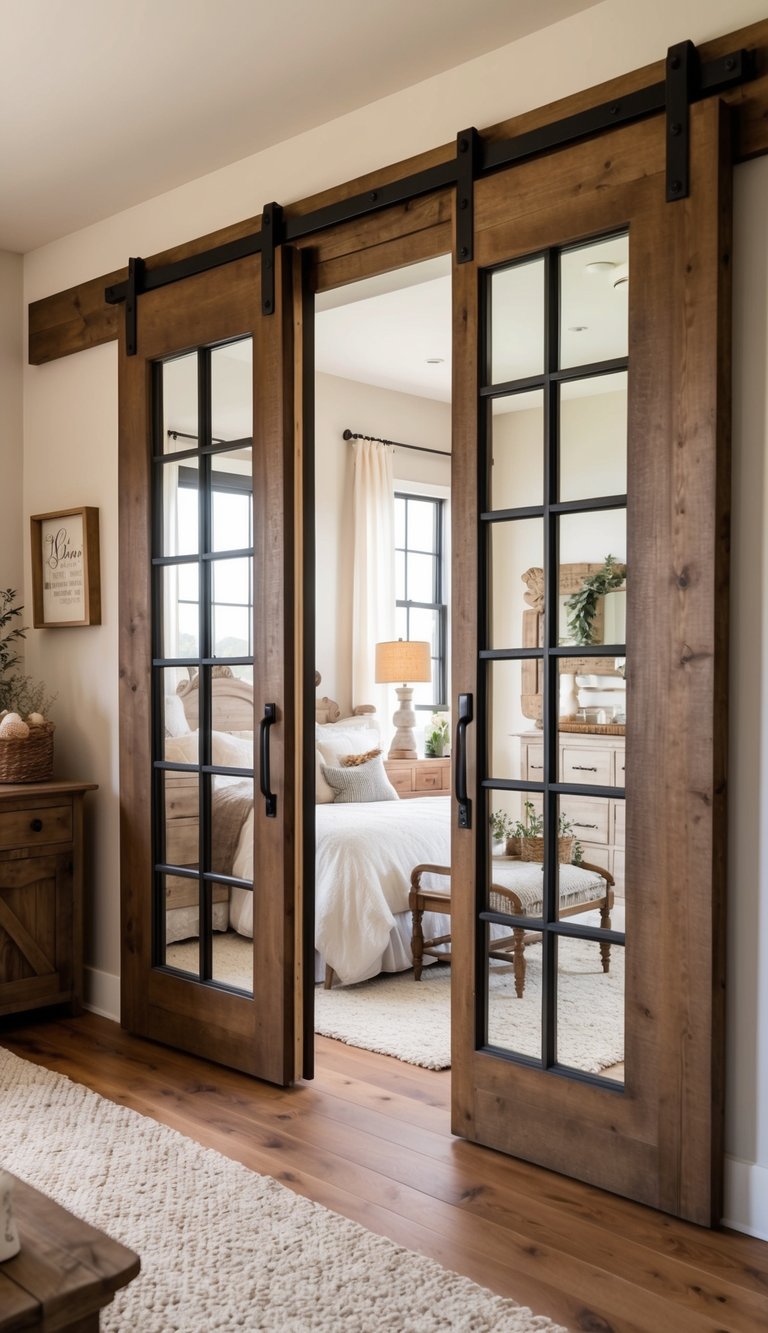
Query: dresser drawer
582, 765
619, 816
590, 817
400, 777
428, 779
35, 826
534, 763
619, 759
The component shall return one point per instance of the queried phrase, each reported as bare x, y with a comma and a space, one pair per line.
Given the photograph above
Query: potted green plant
26, 736
501, 829
436, 736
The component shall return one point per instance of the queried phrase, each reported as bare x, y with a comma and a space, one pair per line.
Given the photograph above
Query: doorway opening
382, 647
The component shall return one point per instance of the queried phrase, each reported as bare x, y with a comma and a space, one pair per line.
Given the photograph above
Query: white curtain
373, 596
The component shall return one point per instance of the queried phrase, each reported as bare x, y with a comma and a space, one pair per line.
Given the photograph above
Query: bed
365, 849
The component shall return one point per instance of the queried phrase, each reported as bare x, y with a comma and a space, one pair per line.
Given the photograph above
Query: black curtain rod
376, 439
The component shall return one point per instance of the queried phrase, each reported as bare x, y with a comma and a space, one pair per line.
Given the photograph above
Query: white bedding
365, 855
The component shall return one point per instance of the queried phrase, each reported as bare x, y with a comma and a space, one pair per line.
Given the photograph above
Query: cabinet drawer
586, 766
400, 778
33, 827
428, 779
588, 816
619, 759
534, 763
619, 814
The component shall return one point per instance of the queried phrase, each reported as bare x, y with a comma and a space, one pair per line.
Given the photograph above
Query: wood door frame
675, 1162
257, 1036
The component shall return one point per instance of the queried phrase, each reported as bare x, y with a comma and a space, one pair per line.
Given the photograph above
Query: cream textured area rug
395, 1015
221, 1247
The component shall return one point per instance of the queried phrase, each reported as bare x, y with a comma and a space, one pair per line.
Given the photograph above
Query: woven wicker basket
30, 760
532, 849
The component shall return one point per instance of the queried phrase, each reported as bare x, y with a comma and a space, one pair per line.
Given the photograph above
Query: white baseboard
745, 1205
102, 993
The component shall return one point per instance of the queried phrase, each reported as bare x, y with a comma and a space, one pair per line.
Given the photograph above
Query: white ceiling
105, 103
387, 330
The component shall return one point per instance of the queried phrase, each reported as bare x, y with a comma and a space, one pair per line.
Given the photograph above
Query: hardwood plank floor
371, 1138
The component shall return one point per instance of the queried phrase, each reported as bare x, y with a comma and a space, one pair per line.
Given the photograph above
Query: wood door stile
660, 1140
78, 318
256, 1034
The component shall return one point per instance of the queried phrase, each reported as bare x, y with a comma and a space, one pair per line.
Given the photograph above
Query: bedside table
419, 777
41, 894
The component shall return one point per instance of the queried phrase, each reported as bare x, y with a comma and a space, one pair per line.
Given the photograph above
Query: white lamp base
404, 740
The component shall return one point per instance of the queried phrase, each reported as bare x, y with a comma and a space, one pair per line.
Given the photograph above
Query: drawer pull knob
536, 766
36, 825
576, 824
584, 768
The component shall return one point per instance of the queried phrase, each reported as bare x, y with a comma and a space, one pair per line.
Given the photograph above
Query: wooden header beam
79, 318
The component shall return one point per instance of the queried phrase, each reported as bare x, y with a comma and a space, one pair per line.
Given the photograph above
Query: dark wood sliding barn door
209, 726
590, 503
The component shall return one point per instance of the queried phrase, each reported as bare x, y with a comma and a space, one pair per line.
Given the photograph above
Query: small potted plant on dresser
26, 735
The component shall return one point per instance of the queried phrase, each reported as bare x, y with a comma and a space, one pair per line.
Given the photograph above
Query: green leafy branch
581, 606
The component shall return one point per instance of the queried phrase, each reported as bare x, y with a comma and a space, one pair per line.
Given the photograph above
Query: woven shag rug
221, 1247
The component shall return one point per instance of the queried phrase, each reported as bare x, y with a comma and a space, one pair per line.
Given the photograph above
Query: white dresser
590, 759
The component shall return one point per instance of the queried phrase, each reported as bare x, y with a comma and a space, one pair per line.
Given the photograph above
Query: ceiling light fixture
600, 266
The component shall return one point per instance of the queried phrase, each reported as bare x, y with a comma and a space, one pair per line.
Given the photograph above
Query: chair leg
329, 975
518, 960
605, 948
417, 942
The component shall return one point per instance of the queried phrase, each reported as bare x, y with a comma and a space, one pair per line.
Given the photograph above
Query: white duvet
365, 855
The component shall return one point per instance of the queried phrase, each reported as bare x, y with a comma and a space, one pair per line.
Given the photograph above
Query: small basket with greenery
26, 736
525, 837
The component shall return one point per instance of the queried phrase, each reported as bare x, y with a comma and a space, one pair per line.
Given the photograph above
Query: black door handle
465, 716
265, 781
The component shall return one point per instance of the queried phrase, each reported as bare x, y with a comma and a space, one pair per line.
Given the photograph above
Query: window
232, 513
421, 611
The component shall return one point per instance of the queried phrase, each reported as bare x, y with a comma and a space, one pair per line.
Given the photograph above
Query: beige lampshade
403, 660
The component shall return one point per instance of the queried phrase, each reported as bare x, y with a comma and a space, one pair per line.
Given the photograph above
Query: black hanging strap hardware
468, 150
271, 236
135, 287
682, 87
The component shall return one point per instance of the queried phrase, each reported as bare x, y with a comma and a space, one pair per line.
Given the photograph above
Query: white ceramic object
9, 1235
569, 700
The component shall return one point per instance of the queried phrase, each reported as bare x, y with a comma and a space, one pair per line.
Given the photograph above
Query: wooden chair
510, 899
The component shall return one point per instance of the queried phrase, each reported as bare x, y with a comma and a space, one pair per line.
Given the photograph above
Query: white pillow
336, 741
231, 751
175, 718
182, 749
332, 742
228, 751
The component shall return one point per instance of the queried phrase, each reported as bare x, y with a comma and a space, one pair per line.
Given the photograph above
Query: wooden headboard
232, 702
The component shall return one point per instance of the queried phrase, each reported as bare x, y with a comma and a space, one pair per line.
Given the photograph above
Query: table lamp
403, 660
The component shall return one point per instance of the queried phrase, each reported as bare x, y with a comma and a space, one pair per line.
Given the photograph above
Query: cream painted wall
342, 404
71, 439
11, 437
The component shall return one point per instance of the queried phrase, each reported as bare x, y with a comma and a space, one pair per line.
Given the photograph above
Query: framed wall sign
66, 581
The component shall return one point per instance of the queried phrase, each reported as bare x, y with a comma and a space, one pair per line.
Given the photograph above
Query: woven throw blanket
232, 803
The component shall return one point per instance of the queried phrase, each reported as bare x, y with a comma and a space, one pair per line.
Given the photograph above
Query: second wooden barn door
590, 506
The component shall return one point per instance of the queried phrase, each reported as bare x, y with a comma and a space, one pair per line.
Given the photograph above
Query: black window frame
439, 604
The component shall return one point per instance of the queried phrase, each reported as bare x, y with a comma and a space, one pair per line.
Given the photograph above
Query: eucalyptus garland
581, 606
